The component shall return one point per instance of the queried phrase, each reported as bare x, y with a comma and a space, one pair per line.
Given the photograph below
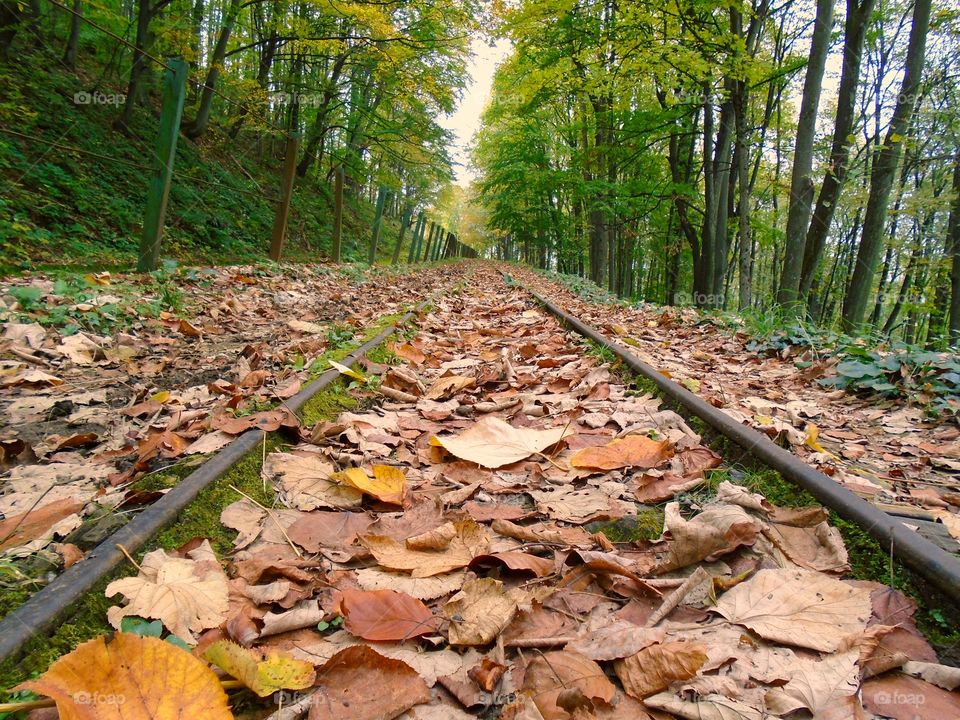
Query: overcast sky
466, 120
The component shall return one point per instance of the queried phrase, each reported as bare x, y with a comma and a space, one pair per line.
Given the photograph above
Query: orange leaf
385, 615
631, 451
134, 678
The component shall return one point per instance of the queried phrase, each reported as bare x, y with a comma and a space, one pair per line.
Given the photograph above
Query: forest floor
489, 519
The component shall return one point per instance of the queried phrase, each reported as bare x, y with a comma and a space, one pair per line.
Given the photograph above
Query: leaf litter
466, 608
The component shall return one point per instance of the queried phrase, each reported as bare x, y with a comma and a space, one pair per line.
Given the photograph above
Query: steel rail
932, 563
42, 610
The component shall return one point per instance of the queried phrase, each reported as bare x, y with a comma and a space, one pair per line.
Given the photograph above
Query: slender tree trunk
139, 66
953, 252
801, 184
855, 31
73, 41
198, 127
883, 173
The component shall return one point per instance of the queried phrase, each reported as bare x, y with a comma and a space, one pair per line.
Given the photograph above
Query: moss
647, 525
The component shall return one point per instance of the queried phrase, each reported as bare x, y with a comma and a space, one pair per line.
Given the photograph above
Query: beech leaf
493, 443
264, 673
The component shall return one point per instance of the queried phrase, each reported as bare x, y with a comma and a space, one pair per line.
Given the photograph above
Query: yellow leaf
134, 677
161, 397
691, 384
388, 483
349, 372
264, 673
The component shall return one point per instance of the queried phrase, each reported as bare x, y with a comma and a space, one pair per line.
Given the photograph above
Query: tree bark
883, 173
856, 24
801, 184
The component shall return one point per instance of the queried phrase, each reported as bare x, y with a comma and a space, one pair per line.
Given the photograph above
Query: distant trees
684, 154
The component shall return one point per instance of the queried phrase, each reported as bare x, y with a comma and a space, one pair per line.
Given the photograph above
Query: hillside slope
60, 206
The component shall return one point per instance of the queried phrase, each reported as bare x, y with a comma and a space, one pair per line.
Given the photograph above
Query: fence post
174, 91
405, 220
286, 194
417, 238
337, 214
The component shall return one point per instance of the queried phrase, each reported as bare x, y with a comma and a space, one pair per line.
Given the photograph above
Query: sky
466, 120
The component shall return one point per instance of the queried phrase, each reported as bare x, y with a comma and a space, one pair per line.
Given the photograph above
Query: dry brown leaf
816, 685
707, 707
36, 524
515, 561
244, 517
943, 676
134, 678
550, 674
902, 697
333, 530
797, 607
444, 387
479, 612
718, 530
655, 667
306, 484
358, 683
426, 588
493, 443
544, 532
632, 451
436, 539
614, 639
186, 594
577, 507
471, 540
385, 615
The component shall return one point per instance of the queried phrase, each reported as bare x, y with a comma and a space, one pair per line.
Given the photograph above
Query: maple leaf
186, 594
388, 484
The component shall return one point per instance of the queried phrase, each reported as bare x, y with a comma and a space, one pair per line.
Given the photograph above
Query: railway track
487, 353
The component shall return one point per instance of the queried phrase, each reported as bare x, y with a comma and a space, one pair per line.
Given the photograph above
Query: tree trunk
855, 30
801, 184
953, 252
883, 173
198, 127
139, 66
73, 41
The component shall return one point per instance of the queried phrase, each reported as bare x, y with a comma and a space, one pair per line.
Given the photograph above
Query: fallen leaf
186, 594
479, 612
306, 483
716, 531
446, 386
816, 685
902, 697
797, 607
705, 707
135, 678
385, 615
655, 667
349, 372
614, 639
493, 443
263, 672
358, 683
427, 588
550, 674
34, 524
631, 451
388, 484
471, 540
